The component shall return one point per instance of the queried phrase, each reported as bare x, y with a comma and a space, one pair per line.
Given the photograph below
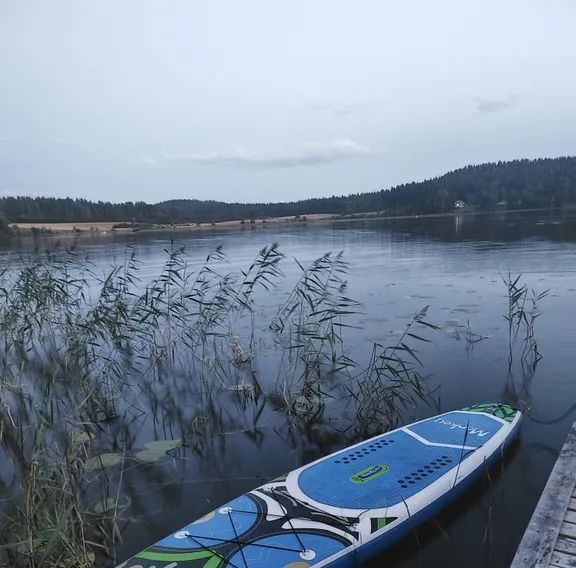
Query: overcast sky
263, 100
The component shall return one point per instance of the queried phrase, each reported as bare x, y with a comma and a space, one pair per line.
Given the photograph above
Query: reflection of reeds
86, 361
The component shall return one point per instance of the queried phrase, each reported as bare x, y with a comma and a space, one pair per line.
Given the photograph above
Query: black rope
553, 420
210, 550
245, 543
237, 539
338, 520
291, 526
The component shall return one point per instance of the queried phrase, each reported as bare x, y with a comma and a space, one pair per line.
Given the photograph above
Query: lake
237, 435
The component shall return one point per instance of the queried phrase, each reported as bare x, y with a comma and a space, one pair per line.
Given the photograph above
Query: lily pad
153, 451
102, 460
163, 445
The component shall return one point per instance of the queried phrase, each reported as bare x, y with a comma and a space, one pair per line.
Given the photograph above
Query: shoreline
103, 228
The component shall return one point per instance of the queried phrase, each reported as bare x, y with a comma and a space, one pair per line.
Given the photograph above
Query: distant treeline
514, 185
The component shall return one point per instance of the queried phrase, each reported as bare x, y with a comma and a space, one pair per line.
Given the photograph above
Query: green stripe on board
214, 562
174, 556
382, 522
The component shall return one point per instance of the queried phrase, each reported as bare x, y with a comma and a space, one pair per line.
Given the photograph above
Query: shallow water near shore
454, 265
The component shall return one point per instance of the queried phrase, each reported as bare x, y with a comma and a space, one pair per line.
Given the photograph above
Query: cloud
150, 162
348, 109
307, 154
487, 106
59, 139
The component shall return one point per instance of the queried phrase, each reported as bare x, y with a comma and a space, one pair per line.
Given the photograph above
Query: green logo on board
368, 473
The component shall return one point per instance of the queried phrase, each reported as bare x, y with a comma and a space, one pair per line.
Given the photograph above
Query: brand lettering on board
369, 473
471, 429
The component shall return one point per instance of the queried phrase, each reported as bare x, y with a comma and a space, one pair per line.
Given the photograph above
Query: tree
4, 226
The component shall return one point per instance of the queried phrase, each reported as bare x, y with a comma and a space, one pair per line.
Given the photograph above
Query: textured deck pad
386, 471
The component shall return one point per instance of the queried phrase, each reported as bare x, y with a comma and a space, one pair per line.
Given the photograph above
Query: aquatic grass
523, 312
392, 382
310, 324
47, 526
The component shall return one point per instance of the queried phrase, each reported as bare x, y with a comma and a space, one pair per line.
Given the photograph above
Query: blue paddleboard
340, 510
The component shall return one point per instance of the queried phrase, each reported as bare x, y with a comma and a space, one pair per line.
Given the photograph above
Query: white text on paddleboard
471, 429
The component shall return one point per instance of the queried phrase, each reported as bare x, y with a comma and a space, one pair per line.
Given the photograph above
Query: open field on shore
66, 227
105, 226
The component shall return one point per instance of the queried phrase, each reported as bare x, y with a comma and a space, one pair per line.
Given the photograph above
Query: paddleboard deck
341, 509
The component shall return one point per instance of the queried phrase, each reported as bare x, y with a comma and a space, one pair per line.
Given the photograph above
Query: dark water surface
455, 266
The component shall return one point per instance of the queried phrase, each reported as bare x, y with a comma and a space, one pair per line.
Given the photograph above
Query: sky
147, 100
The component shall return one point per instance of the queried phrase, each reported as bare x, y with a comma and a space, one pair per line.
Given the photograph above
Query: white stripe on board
429, 443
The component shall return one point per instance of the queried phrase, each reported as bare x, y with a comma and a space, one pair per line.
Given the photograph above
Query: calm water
454, 265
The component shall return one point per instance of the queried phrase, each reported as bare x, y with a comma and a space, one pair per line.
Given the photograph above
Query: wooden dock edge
538, 544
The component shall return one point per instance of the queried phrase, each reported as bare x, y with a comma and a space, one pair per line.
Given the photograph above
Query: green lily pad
153, 451
102, 460
149, 456
163, 445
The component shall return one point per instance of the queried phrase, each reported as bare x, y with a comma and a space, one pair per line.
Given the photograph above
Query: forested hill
514, 185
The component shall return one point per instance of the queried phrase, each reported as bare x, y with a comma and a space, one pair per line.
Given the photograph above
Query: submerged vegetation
105, 378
